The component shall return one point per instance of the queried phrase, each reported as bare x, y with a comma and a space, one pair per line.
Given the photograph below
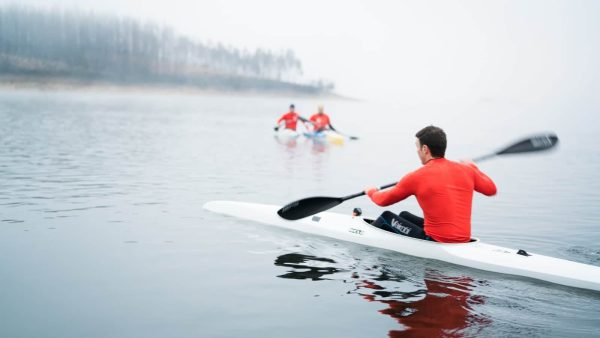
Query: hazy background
102, 232
409, 51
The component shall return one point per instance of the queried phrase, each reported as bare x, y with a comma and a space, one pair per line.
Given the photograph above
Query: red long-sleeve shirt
444, 190
320, 121
290, 119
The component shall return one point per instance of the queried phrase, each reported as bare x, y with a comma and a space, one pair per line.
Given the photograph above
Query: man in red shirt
444, 190
290, 119
320, 121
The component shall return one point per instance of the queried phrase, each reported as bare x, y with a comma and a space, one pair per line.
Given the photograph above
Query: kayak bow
475, 254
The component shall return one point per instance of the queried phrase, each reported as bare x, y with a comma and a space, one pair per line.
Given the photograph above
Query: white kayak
286, 134
474, 254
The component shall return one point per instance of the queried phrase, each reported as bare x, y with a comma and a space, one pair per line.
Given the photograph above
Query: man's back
444, 190
290, 119
320, 121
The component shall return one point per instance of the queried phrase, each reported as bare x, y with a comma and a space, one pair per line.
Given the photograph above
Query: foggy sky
409, 51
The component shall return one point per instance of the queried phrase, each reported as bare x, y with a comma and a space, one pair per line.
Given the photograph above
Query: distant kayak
286, 134
476, 254
327, 135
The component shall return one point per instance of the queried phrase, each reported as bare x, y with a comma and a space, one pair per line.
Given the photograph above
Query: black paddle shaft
314, 205
339, 132
363, 193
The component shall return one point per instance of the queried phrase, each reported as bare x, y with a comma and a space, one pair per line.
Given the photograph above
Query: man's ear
427, 151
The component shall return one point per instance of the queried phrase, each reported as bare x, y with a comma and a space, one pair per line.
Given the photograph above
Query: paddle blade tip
307, 207
545, 141
289, 217
287, 211
535, 143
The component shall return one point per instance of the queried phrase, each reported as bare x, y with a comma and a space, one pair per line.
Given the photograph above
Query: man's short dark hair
434, 138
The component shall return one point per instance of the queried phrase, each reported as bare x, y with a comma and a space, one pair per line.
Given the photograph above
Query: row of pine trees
44, 42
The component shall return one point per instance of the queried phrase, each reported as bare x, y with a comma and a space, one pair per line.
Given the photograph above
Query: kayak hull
475, 254
327, 135
284, 133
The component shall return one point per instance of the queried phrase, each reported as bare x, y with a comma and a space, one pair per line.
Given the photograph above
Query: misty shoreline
47, 49
25, 83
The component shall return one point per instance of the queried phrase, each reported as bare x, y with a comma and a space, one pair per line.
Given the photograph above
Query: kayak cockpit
370, 222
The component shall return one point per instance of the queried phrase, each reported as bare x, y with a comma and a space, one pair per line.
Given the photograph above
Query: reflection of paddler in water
319, 145
444, 308
445, 311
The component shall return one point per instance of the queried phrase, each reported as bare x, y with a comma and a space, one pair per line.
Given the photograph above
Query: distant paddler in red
290, 119
321, 124
320, 121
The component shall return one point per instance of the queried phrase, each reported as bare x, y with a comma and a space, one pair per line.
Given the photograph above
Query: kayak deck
474, 254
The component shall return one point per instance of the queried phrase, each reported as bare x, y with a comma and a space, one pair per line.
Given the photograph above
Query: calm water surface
102, 233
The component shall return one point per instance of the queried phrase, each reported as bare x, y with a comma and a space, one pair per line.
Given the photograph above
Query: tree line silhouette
56, 43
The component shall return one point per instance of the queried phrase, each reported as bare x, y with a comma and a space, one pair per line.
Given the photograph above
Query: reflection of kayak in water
474, 254
327, 135
287, 137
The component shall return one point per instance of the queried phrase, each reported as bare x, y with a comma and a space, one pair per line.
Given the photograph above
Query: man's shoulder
445, 165
458, 164
423, 170
462, 166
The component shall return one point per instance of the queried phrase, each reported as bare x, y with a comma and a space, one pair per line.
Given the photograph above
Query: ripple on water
13, 221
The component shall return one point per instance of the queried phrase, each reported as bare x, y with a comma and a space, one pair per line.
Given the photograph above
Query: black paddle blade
307, 207
531, 144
